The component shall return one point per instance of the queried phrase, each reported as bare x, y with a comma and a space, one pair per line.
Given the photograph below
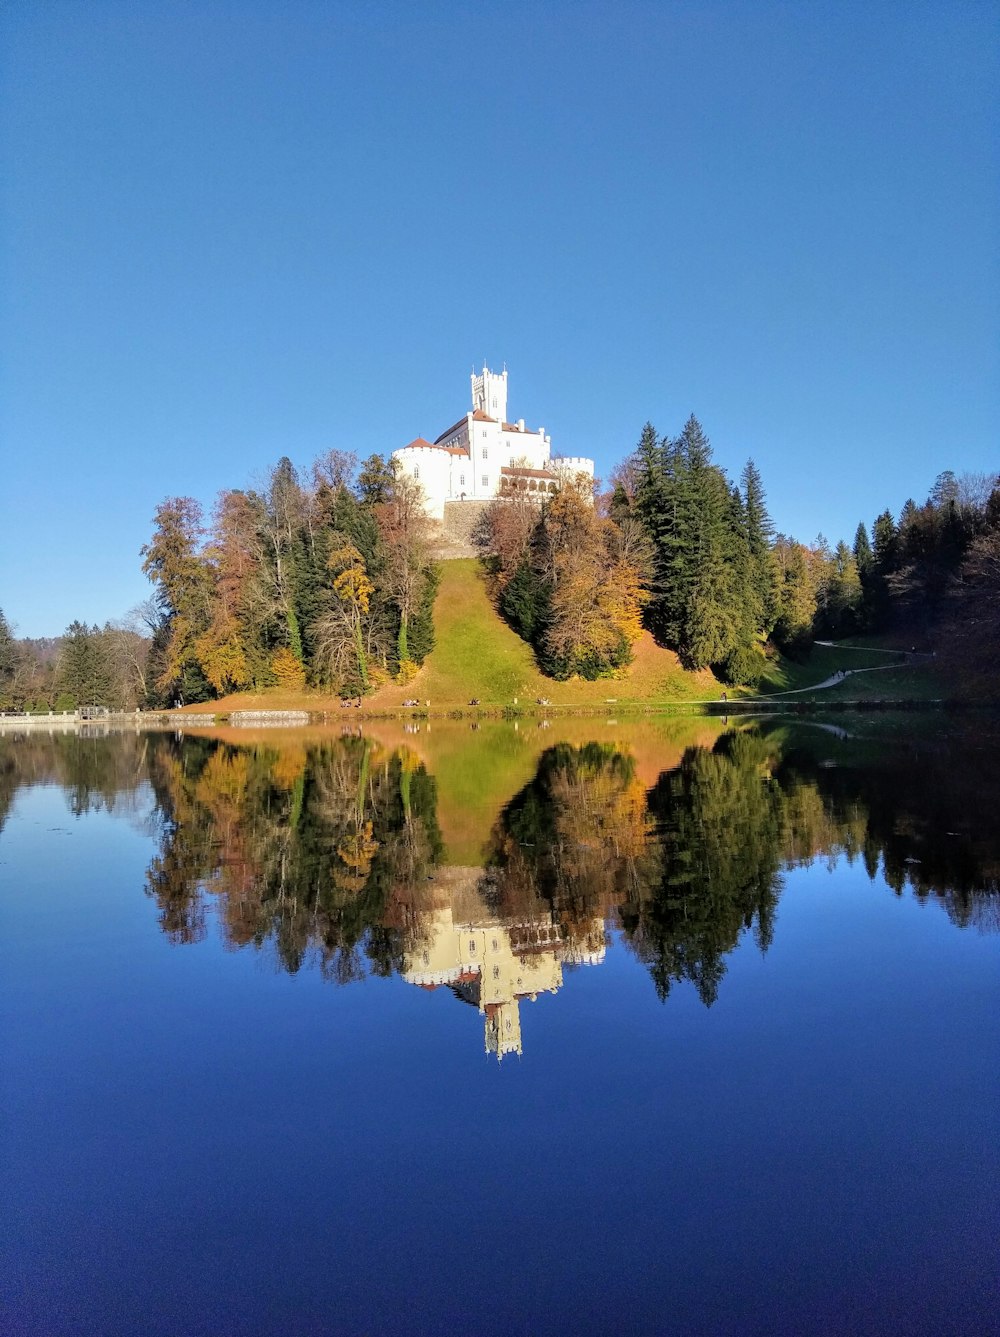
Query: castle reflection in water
490, 869
495, 964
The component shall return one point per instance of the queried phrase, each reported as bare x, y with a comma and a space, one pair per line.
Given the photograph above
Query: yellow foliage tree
288, 672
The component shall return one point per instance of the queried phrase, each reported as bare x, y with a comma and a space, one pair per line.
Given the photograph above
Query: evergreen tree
84, 672
884, 543
8, 661
651, 505
708, 608
760, 537
863, 558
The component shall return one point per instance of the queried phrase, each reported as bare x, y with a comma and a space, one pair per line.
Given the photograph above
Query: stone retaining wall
455, 530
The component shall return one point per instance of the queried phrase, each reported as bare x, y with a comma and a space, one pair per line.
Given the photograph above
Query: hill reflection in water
519, 856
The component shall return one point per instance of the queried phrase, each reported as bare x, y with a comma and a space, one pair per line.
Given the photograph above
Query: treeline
675, 547
678, 548
321, 580
932, 574
88, 665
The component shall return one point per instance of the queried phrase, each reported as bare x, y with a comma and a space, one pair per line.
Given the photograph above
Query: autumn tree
173, 562
232, 651
345, 635
404, 529
10, 663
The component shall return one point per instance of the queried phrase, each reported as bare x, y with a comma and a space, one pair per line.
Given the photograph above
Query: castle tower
503, 1028
489, 393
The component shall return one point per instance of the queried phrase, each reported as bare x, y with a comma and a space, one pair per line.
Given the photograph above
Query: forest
325, 579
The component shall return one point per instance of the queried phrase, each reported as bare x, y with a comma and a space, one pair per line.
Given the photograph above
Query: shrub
743, 667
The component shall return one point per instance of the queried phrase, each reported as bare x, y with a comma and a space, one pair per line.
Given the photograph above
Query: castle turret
489, 393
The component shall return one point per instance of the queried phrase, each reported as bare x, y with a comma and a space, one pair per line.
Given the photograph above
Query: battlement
579, 463
489, 393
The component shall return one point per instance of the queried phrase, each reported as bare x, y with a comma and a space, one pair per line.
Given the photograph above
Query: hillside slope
477, 656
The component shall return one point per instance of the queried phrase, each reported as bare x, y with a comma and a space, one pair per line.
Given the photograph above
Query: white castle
483, 455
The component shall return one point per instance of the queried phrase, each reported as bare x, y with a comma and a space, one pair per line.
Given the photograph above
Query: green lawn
785, 675
477, 656
891, 680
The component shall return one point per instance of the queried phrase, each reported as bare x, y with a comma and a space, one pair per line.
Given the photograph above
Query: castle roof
433, 445
448, 430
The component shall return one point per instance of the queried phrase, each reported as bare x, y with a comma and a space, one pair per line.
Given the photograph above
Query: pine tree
863, 557
651, 505
84, 672
760, 537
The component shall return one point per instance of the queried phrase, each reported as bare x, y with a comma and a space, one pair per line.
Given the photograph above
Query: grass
786, 675
478, 656
890, 680
909, 682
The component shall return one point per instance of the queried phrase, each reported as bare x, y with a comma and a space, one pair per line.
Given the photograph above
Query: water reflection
329, 853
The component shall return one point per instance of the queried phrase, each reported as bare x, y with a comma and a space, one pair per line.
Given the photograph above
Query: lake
569, 1026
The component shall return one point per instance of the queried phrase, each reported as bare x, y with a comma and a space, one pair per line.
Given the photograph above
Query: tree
233, 649
10, 660
404, 528
84, 674
173, 562
343, 636
839, 595
375, 481
797, 586
760, 537
283, 518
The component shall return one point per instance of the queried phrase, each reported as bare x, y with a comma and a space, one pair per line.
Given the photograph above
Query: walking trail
841, 674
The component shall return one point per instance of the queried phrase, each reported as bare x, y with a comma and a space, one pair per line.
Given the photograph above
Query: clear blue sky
236, 231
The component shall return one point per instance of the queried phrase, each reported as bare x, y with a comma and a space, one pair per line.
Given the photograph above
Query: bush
743, 667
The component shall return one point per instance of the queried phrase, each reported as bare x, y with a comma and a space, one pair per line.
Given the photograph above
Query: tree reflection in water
329, 854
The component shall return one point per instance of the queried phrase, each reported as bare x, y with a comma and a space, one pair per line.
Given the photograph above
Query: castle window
416, 471
486, 480
461, 480
485, 453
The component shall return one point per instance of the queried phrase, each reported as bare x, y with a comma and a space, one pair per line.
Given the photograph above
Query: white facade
483, 454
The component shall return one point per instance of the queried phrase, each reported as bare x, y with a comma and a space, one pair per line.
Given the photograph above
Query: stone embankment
454, 533
272, 718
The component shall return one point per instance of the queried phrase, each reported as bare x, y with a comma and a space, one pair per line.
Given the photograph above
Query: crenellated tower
489, 393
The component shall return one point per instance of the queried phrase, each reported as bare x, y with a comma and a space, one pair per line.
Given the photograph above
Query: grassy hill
478, 656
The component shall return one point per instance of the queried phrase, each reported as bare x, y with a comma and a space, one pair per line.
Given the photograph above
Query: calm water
594, 1028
